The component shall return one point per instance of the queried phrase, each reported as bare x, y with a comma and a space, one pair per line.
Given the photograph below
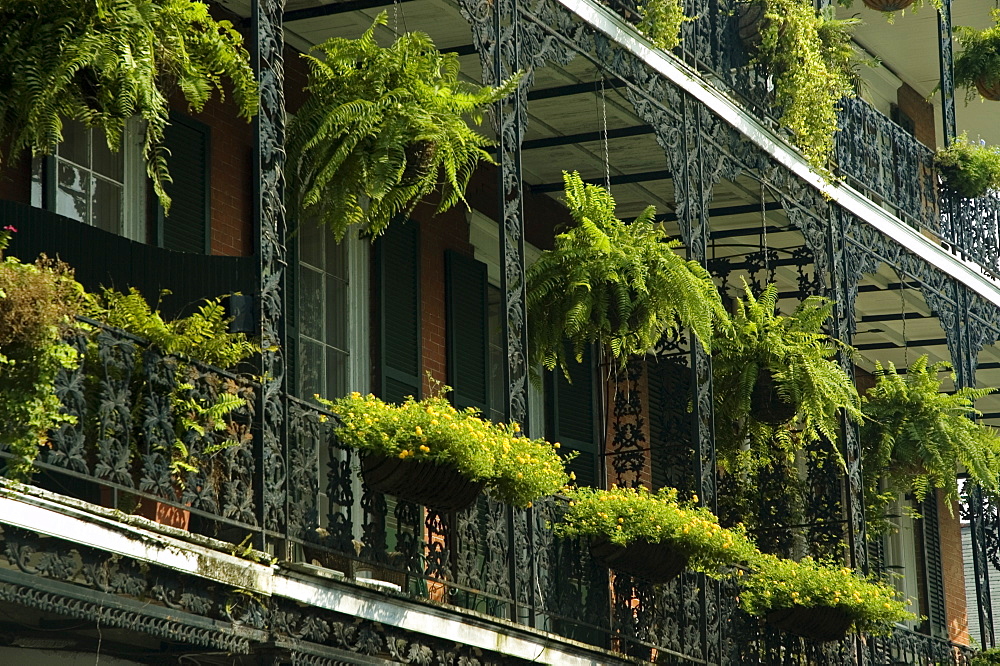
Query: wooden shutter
398, 291
187, 227
467, 322
570, 415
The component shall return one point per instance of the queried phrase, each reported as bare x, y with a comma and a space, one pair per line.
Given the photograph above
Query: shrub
519, 470
969, 168
776, 583
37, 305
624, 515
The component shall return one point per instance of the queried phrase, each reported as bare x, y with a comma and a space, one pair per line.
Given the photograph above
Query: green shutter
467, 324
398, 290
186, 228
570, 414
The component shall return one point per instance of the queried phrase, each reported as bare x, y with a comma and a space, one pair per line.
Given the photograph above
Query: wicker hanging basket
818, 623
766, 405
750, 24
887, 5
419, 161
434, 485
650, 562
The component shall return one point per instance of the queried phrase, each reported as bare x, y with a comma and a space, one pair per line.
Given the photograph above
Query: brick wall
920, 111
15, 179
953, 571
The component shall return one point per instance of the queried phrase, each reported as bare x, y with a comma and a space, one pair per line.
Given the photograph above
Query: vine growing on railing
661, 21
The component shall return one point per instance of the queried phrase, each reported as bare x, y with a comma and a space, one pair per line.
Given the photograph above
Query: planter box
436, 486
819, 623
650, 562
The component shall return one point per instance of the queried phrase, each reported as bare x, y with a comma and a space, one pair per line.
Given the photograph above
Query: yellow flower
355, 395
517, 427
425, 448
404, 453
419, 431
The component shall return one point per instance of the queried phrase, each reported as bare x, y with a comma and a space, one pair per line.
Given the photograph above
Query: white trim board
42, 512
609, 23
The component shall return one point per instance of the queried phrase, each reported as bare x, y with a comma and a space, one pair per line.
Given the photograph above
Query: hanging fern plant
621, 286
380, 129
101, 62
784, 359
916, 435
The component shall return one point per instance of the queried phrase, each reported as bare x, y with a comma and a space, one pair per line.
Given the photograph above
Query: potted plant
989, 657
619, 285
772, 368
381, 128
428, 452
103, 62
661, 21
969, 168
38, 302
818, 600
978, 65
651, 536
809, 54
916, 435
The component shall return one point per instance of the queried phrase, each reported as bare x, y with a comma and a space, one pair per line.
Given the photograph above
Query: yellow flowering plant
519, 470
776, 583
625, 515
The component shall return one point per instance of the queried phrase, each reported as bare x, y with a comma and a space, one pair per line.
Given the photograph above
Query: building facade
288, 558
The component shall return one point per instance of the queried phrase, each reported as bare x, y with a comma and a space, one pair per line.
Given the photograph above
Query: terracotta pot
887, 5
650, 562
165, 514
766, 405
989, 88
435, 486
819, 623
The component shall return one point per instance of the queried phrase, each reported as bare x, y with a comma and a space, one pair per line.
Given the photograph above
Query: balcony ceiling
909, 49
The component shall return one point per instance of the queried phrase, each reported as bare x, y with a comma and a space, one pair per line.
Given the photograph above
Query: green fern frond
101, 63
802, 360
353, 146
622, 286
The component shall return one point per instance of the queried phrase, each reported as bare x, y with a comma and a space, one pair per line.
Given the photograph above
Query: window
903, 555
86, 181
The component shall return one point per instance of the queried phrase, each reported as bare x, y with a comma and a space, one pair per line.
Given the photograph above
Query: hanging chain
902, 315
604, 137
763, 234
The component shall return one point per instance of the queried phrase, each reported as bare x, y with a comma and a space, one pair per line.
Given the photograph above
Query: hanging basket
766, 405
650, 562
419, 161
818, 623
750, 24
989, 87
887, 5
434, 485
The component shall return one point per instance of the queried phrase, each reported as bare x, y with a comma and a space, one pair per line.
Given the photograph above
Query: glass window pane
73, 192
311, 303
76, 143
336, 313
336, 373
336, 257
311, 368
311, 243
107, 163
106, 211
36, 182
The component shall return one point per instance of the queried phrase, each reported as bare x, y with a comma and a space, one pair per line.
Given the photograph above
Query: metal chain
902, 314
604, 137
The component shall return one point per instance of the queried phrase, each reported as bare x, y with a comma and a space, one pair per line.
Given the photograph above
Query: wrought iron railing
872, 153
131, 444
491, 558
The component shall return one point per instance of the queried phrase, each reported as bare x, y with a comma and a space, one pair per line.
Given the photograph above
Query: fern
801, 359
382, 129
619, 285
100, 62
201, 335
917, 436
